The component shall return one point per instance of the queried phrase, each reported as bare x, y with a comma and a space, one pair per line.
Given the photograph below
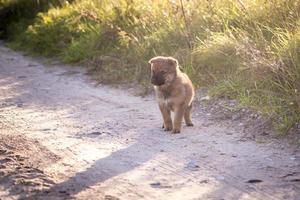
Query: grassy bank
243, 49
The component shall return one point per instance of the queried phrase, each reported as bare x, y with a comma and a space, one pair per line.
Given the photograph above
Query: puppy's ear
150, 62
172, 61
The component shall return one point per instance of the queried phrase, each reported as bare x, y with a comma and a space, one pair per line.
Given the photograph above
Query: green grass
248, 50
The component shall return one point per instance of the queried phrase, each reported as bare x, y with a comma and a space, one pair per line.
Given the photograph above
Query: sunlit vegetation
244, 49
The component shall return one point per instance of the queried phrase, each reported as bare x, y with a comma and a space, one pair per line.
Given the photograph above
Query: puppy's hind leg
166, 114
187, 116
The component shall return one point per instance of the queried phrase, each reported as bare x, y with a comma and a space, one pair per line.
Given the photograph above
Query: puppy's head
163, 70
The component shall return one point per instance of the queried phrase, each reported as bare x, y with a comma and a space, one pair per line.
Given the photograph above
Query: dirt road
62, 137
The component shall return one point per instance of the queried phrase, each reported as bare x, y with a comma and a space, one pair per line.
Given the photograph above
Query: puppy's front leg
179, 111
187, 116
166, 114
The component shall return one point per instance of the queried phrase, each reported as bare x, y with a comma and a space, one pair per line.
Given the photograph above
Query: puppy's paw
168, 128
175, 131
189, 124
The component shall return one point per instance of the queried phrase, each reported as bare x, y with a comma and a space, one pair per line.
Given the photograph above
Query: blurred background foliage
243, 49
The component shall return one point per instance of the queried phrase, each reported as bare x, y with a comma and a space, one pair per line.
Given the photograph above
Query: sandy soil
64, 138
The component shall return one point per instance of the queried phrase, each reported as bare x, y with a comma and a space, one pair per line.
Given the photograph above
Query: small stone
19, 105
264, 133
3, 151
204, 181
109, 197
31, 65
155, 185
192, 165
206, 98
292, 158
2, 166
254, 181
295, 180
96, 133
46, 129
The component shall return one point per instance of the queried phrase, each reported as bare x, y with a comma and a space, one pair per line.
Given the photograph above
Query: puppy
174, 92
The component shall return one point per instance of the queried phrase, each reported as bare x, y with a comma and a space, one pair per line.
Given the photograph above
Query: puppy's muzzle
158, 79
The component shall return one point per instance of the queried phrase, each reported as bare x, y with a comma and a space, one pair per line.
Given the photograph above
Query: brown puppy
174, 92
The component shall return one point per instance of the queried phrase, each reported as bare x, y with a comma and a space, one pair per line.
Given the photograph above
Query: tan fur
174, 95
